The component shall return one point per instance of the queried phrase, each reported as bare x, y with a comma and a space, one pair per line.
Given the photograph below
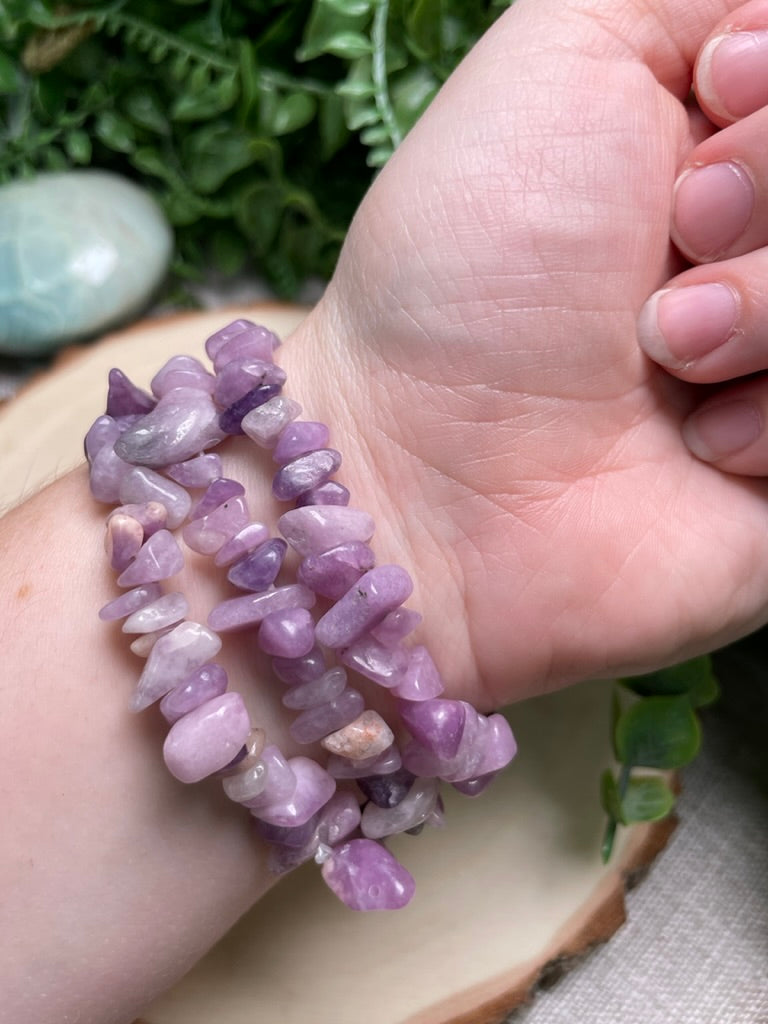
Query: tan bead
367, 736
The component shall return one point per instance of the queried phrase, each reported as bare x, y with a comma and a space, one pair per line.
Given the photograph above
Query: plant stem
379, 72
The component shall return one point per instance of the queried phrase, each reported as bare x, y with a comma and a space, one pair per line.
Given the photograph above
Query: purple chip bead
329, 493
202, 685
209, 534
231, 419
216, 493
241, 612
300, 670
255, 342
287, 634
182, 424
264, 424
206, 739
304, 473
216, 342
124, 398
314, 788
130, 602
333, 572
106, 474
293, 846
142, 485
395, 627
152, 515
165, 611
300, 438
487, 745
281, 781
124, 537
246, 540
366, 876
240, 376
373, 596
173, 659
386, 666
437, 724
198, 471
157, 559
410, 812
386, 763
421, 679
103, 430
316, 528
315, 692
259, 569
182, 372
314, 723
476, 786
386, 790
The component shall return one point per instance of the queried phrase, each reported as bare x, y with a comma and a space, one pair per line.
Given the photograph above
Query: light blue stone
79, 251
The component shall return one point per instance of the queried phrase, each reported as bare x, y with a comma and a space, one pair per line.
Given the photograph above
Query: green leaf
412, 92
9, 75
359, 81
658, 732
350, 8
54, 159
646, 799
332, 126
229, 251
144, 108
115, 131
214, 152
609, 796
327, 24
202, 104
695, 678
150, 161
77, 143
292, 112
378, 156
423, 23
349, 45
258, 212
358, 116
375, 135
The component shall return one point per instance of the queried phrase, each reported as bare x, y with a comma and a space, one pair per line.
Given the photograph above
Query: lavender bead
122, 540
216, 342
253, 343
386, 666
366, 876
106, 474
230, 421
421, 680
388, 762
321, 690
242, 612
300, 670
304, 473
386, 790
247, 785
300, 438
395, 627
437, 725
196, 472
144, 643
332, 823
183, 423
287, 634
240, 376
487, 745
314, 787
264, 424
124, 398
313, 724
317, 528
165, 611
216, 493
329, 493
103, 431
334, 572
281, 781
373, 596
207, 738
476, 786
413, 810
158, 558
202, 685
141, 485
130, 602
173, 659
182, 372
246, 540
152, 515
209, 534
365, 737
259, 569
248, 755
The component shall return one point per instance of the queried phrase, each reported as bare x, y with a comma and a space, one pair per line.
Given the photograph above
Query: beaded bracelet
145, 455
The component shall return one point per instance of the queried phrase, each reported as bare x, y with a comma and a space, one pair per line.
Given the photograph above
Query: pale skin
477, 357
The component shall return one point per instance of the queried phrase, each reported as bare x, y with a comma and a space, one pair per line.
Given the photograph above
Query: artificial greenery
257, 124
655, 730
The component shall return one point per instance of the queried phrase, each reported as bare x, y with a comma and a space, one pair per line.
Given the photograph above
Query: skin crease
476, 358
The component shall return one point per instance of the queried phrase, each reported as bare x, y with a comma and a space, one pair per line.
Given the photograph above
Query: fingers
731, 73
729, 430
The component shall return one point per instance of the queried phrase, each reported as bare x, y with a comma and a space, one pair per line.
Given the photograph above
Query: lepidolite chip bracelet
146, 454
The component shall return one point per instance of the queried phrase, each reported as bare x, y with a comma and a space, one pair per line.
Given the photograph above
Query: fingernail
679, 325
732, 73
723, 429
713, 206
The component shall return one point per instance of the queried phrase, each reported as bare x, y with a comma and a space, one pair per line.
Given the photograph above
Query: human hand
525, 456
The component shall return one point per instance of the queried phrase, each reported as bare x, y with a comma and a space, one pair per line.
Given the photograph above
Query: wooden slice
509, 892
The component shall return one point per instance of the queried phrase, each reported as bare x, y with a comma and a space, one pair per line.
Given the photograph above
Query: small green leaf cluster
257, 124
656, 731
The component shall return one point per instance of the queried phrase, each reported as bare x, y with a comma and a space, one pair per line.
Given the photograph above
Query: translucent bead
152, 515
241, 612
255, 342
122, 540
244, 541
386, 763
329, 493
259, 569
130, 602
373, 596
314, 723
333, 572
206, 682
487, 745
364, 737
230, 420
328, 827
241, 376
299, 438
143, 644
173, 659
248, 754
395, 627
304, 473
437, 724
366, 876
287, 634
198, 471
103, 430
386, 790
476, 786
216, 342
300, 670
142, 485
182, 372
165, 611
207, 738
421, 679
106, 474
321, 690
264, 424
216, 493
385, 666
183, 423
248, 784
209, 534
411, 811
124, 398
314, 788
157, 559
316, 528
281, 781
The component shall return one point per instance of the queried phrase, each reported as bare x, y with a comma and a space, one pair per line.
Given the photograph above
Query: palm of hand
530, 451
